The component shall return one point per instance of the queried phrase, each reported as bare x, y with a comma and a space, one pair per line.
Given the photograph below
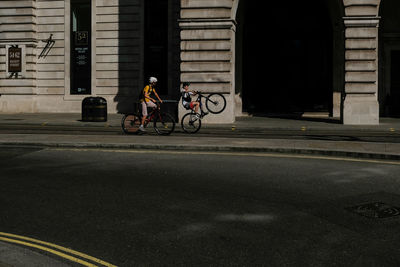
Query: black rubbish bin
94, 109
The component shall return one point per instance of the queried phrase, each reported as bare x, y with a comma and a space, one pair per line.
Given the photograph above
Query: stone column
207, 52
360, 99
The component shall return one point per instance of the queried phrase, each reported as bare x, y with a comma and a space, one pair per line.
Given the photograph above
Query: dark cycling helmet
185, 84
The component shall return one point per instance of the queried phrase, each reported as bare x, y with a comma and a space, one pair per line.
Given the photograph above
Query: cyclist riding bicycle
147, 101
187, 99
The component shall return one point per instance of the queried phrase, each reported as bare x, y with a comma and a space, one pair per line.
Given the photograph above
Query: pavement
19, 256
307, 134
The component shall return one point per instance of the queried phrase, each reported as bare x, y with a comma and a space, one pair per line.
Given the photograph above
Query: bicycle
215, 103
163, 123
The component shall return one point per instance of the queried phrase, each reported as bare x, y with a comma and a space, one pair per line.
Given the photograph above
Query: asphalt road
315, 134
153, 208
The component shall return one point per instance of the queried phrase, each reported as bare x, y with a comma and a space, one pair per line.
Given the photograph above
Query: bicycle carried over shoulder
215, 103
163, 122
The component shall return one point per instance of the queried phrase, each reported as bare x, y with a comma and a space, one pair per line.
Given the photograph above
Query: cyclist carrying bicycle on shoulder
187, 100
147, 101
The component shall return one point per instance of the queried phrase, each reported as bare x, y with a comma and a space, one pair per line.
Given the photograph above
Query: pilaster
18, 30
207, 51
360, 103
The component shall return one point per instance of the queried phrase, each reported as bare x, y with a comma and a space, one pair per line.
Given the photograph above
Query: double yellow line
57, 250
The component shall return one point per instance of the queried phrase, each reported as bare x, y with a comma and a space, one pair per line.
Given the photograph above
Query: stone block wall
118, 46
51, 65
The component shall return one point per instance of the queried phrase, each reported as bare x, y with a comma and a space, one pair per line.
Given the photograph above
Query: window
81, 47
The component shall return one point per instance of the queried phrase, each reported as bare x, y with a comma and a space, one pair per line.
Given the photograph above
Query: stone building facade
335, 56
72, 49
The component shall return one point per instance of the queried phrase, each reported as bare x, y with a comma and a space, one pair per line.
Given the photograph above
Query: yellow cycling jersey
147, 90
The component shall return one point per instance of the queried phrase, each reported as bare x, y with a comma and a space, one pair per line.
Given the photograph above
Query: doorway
389, 55
286, 56
162, 45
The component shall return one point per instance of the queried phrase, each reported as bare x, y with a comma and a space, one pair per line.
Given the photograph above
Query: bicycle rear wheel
164, 124
215, 103
190, 123
130, 124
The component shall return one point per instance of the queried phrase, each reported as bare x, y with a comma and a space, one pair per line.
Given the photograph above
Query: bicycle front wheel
190, 123
215, 103
130, 124
164, 124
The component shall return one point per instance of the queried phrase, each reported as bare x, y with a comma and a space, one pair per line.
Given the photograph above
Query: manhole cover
375, 210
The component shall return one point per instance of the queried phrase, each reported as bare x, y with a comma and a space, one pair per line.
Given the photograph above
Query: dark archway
389, 59
162, 44
285, 57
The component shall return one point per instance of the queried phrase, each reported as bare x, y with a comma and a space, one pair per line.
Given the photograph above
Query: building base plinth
360, 110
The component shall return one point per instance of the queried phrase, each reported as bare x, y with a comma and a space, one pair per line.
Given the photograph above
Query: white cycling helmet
153, 80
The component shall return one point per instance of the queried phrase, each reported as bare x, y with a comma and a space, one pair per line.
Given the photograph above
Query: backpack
141, 95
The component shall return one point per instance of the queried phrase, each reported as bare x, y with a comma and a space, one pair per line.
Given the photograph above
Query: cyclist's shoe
198, 116
203, 113
141, 128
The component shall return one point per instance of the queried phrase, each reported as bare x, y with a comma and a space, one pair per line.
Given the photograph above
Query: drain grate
377, 210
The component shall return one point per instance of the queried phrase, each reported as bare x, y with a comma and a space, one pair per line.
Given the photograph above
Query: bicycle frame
151, 115
164, 124
199, 97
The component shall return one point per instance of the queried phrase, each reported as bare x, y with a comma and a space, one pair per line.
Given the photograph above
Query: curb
210, 148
